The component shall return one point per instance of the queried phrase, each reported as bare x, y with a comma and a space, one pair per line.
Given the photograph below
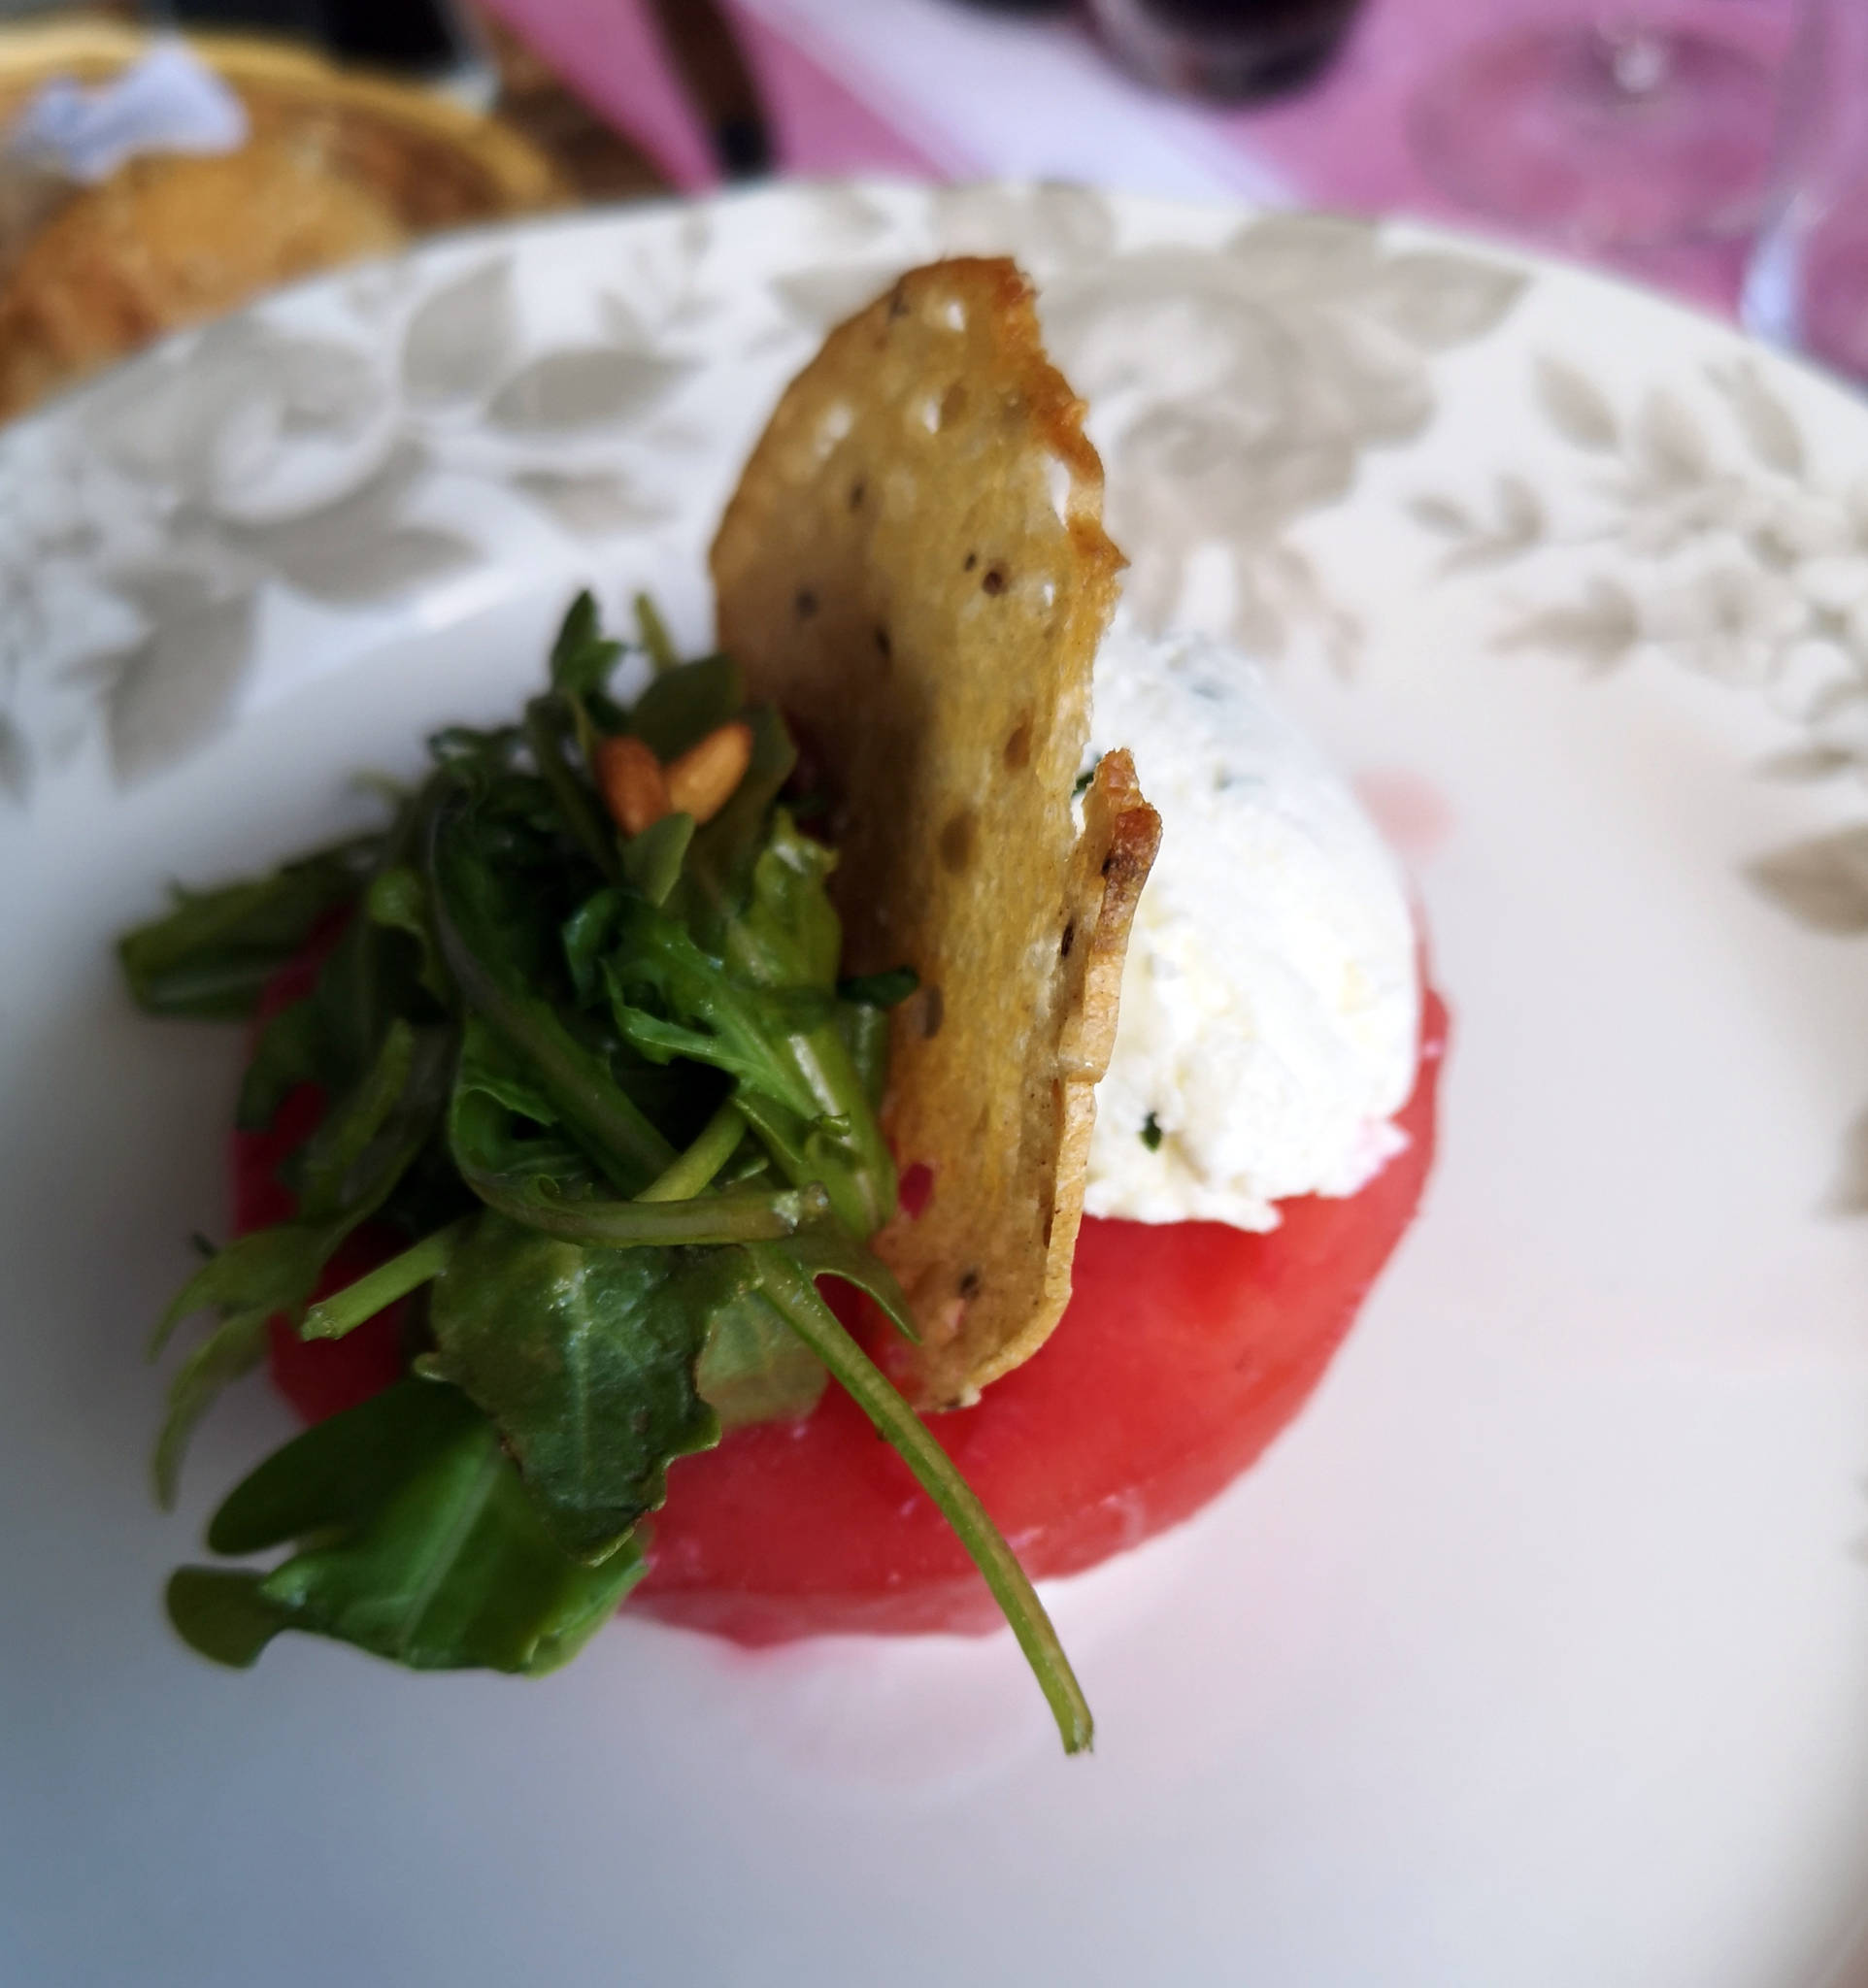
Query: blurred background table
614, 99
944, 89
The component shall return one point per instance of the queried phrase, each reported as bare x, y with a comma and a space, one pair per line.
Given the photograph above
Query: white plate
1537, 1653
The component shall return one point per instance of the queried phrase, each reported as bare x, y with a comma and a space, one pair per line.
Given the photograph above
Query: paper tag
170, 101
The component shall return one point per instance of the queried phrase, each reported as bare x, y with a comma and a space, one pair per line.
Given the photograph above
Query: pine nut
703, 779
634, 788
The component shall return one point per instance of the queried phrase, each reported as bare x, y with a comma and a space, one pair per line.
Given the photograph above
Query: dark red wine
421, 35
1225, 47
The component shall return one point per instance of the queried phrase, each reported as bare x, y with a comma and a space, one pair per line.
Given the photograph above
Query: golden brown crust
1108, 869
913, 567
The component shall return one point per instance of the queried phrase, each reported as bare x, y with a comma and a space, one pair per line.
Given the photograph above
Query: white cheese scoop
1271, 1004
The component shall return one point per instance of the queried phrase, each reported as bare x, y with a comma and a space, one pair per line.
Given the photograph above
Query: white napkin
170, 101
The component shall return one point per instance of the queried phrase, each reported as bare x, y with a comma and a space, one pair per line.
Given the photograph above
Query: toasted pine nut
702, 781
634, 790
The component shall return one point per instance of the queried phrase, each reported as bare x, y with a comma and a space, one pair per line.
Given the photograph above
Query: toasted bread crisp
915, 569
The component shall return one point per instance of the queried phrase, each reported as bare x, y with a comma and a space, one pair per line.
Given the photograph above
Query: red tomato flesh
1185, 1350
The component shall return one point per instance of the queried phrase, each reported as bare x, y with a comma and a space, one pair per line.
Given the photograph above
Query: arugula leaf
487, 1066
651, 860
230, 1352
292, 1049
533, 1172
825, 1250
587, 935
349, 1165
222, 1614
398, 902
578, 703
547, 720
719, 870
787, 933
754, 1368
331, 1037
509, 1144
384, 964
734, 1214
585, 1360
809, 1151
271, 1273
653, 635
495, 959
361, 1149
210, 956
582, 656
864, 1031
504, 1134
686, 703
758, 1008
420, 1545
669, 999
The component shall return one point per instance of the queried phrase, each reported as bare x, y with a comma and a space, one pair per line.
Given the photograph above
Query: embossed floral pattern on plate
369, 440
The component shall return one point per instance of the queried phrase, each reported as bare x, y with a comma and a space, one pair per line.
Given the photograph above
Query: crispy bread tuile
913, 567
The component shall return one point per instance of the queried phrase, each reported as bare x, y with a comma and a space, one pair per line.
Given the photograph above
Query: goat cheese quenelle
695, 1077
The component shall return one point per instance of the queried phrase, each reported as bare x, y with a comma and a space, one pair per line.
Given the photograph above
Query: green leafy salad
609, 1091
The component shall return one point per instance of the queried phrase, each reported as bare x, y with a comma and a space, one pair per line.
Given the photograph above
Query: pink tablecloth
931, 88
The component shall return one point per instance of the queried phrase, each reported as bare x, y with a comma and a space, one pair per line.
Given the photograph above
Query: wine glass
1807, 283
1634, 124
1229, 50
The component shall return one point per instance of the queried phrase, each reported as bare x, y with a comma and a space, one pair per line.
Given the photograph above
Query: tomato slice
1185, 1350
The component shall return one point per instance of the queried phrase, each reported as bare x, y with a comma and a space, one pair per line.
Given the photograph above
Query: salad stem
346, 1310
736, 1214
580, 817
693, 1170
614, 1129
796, 1298
652, 632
